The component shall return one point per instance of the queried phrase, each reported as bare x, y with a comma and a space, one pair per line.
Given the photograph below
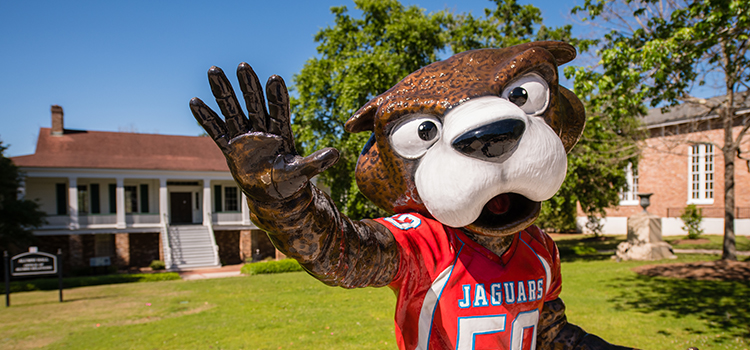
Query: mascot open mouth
505, 214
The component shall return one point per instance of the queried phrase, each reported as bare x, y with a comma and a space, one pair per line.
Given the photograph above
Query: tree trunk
729, 251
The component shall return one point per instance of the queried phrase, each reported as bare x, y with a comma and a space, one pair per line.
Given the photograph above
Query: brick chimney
57, 120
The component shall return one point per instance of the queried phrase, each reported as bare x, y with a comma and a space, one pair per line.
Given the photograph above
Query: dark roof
119, 150
690, 111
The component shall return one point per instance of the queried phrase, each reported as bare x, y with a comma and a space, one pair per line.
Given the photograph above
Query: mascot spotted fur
462, 151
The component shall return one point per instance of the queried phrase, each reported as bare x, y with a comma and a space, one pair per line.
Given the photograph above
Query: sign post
7, 278
59, 272
32, 263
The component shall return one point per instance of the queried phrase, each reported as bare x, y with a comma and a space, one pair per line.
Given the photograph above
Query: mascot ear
574, 118
363, 119
562, 51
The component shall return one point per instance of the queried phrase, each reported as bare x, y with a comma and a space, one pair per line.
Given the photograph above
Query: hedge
286, 265
82, 281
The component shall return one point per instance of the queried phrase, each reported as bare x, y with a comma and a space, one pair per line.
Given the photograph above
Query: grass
608, 299
294, 311
289, 311
715, 242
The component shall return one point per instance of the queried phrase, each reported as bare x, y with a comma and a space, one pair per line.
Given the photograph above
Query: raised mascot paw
259, 147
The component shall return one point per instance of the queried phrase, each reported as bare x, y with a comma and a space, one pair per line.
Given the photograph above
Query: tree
359, 58
16, 215
661, 51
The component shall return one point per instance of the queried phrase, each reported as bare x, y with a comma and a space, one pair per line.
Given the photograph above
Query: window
230, 199
144, 198
131, 199
112, 198
217, 198
94, 198
61, 195
83, 199
629, 194
701, 170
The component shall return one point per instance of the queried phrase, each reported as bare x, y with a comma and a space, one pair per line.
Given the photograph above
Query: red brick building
681, 164
133, 198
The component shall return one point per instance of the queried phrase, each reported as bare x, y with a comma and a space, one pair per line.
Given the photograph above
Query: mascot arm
300, 219
556, 333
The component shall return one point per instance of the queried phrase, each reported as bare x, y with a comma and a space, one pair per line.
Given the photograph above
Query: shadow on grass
724, 305
588, 249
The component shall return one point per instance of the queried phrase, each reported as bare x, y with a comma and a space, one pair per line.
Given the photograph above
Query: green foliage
83, 281
16, 216
596, 169
267, 267
360, 58
157, 265
692, 217
659, 52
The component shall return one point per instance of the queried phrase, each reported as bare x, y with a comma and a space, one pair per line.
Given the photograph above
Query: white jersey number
470, 327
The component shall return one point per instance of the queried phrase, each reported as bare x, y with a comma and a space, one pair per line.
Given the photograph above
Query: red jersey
455, 294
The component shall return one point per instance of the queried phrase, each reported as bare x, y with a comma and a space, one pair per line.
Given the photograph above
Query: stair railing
213, 239
165, 243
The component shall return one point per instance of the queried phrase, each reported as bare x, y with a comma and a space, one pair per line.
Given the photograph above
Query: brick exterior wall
75, 251
261, 246
229, 247
246, 246
663, 171
50, 244
122, 250
144, 248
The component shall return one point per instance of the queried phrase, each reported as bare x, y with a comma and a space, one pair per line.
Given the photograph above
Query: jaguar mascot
462, 152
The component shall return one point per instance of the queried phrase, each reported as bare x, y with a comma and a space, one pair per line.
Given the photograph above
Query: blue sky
134, 65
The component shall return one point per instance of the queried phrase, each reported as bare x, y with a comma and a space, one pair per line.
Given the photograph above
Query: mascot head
477, 140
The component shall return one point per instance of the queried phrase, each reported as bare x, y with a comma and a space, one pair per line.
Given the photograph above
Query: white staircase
191, 246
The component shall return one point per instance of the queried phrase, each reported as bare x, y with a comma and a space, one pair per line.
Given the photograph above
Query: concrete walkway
224, 271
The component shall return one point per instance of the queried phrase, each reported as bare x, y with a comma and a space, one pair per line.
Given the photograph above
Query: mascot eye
530, 93
427, 130
518, 96
412, 138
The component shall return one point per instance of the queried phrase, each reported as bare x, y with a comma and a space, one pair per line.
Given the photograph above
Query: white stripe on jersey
428, 307
545, 264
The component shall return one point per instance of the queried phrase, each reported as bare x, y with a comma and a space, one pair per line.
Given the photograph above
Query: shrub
72, 282
157, 265
692, 217
286, 265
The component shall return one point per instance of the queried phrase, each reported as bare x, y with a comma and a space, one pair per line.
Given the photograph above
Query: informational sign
33, 263
100, 261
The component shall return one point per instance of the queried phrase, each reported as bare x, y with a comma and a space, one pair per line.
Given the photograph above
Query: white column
21, 195
120, 199
206, 202
163, 200
245, 209
73, 202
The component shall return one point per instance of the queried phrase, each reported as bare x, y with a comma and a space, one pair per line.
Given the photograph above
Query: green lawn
293, 311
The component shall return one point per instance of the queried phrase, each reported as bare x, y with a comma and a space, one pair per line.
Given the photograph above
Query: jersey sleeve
423, 246
553, 260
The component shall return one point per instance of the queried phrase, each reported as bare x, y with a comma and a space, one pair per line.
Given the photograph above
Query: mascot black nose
491, 141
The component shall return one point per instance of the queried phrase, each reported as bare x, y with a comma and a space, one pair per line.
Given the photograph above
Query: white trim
429, 304
163, 201
631, 191
705, 159
125, 173
245, 209
73, 202
120, 201
206, 202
